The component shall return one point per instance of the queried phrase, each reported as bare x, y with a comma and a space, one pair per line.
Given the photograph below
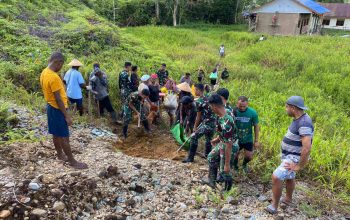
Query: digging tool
200, 125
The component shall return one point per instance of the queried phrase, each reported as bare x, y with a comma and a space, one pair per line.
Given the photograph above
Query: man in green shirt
246, 119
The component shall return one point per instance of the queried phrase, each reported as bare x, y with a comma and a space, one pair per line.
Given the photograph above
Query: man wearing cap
220, 156
144, 83
135, 103
75, 82
296, 147
204, 125
163, 74
57, 116
186, 78
99, 86
124, 83
246, 119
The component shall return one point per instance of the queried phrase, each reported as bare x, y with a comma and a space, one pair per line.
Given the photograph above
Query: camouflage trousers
216, 158
206, 130
127, 114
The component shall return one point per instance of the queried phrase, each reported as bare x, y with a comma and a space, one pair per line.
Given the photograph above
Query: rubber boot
113, 116
125, 131
191, 153
208, 148
228, 183
213, 173
146, 126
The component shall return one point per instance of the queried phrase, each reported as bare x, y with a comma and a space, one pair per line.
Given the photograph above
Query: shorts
200, 78
283, 174
79, 102
56, 122
213, 82
246, 146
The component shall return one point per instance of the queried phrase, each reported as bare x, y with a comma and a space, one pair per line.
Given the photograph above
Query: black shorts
213, 82
246, 146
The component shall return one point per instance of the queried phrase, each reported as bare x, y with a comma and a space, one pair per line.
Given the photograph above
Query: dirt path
119, 186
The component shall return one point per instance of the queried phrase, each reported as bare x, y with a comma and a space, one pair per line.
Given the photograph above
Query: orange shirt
50, 82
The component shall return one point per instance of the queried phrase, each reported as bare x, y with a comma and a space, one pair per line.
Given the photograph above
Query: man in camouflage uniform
125, 83
135, 103
163, 75
221, 156
204, 125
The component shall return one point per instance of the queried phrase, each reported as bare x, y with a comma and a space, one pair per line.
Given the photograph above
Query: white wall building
338, 18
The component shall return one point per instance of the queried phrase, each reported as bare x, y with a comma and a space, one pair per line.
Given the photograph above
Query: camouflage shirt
226, 128
136, 100
162, 75
124, 84
207, 114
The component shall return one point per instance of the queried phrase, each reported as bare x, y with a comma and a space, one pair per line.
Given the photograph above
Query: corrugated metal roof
313, 6
337, 10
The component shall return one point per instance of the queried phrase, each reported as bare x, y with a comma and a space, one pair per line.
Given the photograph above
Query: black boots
190, 158
228, 183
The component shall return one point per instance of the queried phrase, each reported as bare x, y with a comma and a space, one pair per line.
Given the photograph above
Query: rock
5, 213
149, 195
168, 210
183, 206
225, 209
232, 201
115, 217
112, 171
39, 212
34, 186
59, 206
47, 179
137, 188
75, 174
138, 166
130, 202
10, 184
57, 193
246, 215
262, 198
94, 199
278, 217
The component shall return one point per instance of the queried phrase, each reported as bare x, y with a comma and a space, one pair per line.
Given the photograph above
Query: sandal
271, 210
284, 202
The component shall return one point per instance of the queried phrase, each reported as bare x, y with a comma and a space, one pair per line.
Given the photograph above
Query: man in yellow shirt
57, 116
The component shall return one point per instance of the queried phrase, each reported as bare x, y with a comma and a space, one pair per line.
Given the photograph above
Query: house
338, 17
289, 17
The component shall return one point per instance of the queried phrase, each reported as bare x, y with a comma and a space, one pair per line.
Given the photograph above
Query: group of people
203, 112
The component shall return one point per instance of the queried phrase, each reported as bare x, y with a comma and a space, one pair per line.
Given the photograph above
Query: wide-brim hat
75, 62
144, 78
297, 101
184, 87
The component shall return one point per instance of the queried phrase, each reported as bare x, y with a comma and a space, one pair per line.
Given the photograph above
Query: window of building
325, 22
340, 22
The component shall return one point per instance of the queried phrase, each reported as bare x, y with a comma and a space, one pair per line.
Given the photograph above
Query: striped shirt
291, 144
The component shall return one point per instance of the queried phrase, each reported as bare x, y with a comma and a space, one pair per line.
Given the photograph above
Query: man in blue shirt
75, 82
296, 147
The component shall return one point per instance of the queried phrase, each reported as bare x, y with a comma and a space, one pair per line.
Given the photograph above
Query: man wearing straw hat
57, 116
75, 82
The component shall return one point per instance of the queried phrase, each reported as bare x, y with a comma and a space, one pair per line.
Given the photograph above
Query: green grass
268, 72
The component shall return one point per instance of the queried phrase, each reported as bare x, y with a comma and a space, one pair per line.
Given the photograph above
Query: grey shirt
99, 85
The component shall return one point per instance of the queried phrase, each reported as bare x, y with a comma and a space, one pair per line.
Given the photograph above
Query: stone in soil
4, 214
58, 206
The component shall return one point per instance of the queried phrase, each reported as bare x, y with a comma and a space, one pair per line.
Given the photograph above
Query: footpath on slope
35, 185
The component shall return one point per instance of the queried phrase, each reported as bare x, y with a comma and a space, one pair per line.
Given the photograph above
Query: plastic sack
170, 101
178, 133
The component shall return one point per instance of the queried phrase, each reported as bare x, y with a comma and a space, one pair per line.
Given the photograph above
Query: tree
157, 9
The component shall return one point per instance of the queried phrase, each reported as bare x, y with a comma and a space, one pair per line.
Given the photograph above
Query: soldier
220, 157
204, 125
135, 103
124, 82
163, 75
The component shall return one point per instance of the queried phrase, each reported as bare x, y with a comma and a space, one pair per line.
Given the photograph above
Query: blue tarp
314, 6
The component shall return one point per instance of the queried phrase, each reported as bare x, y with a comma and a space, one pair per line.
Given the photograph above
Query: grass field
268, 72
